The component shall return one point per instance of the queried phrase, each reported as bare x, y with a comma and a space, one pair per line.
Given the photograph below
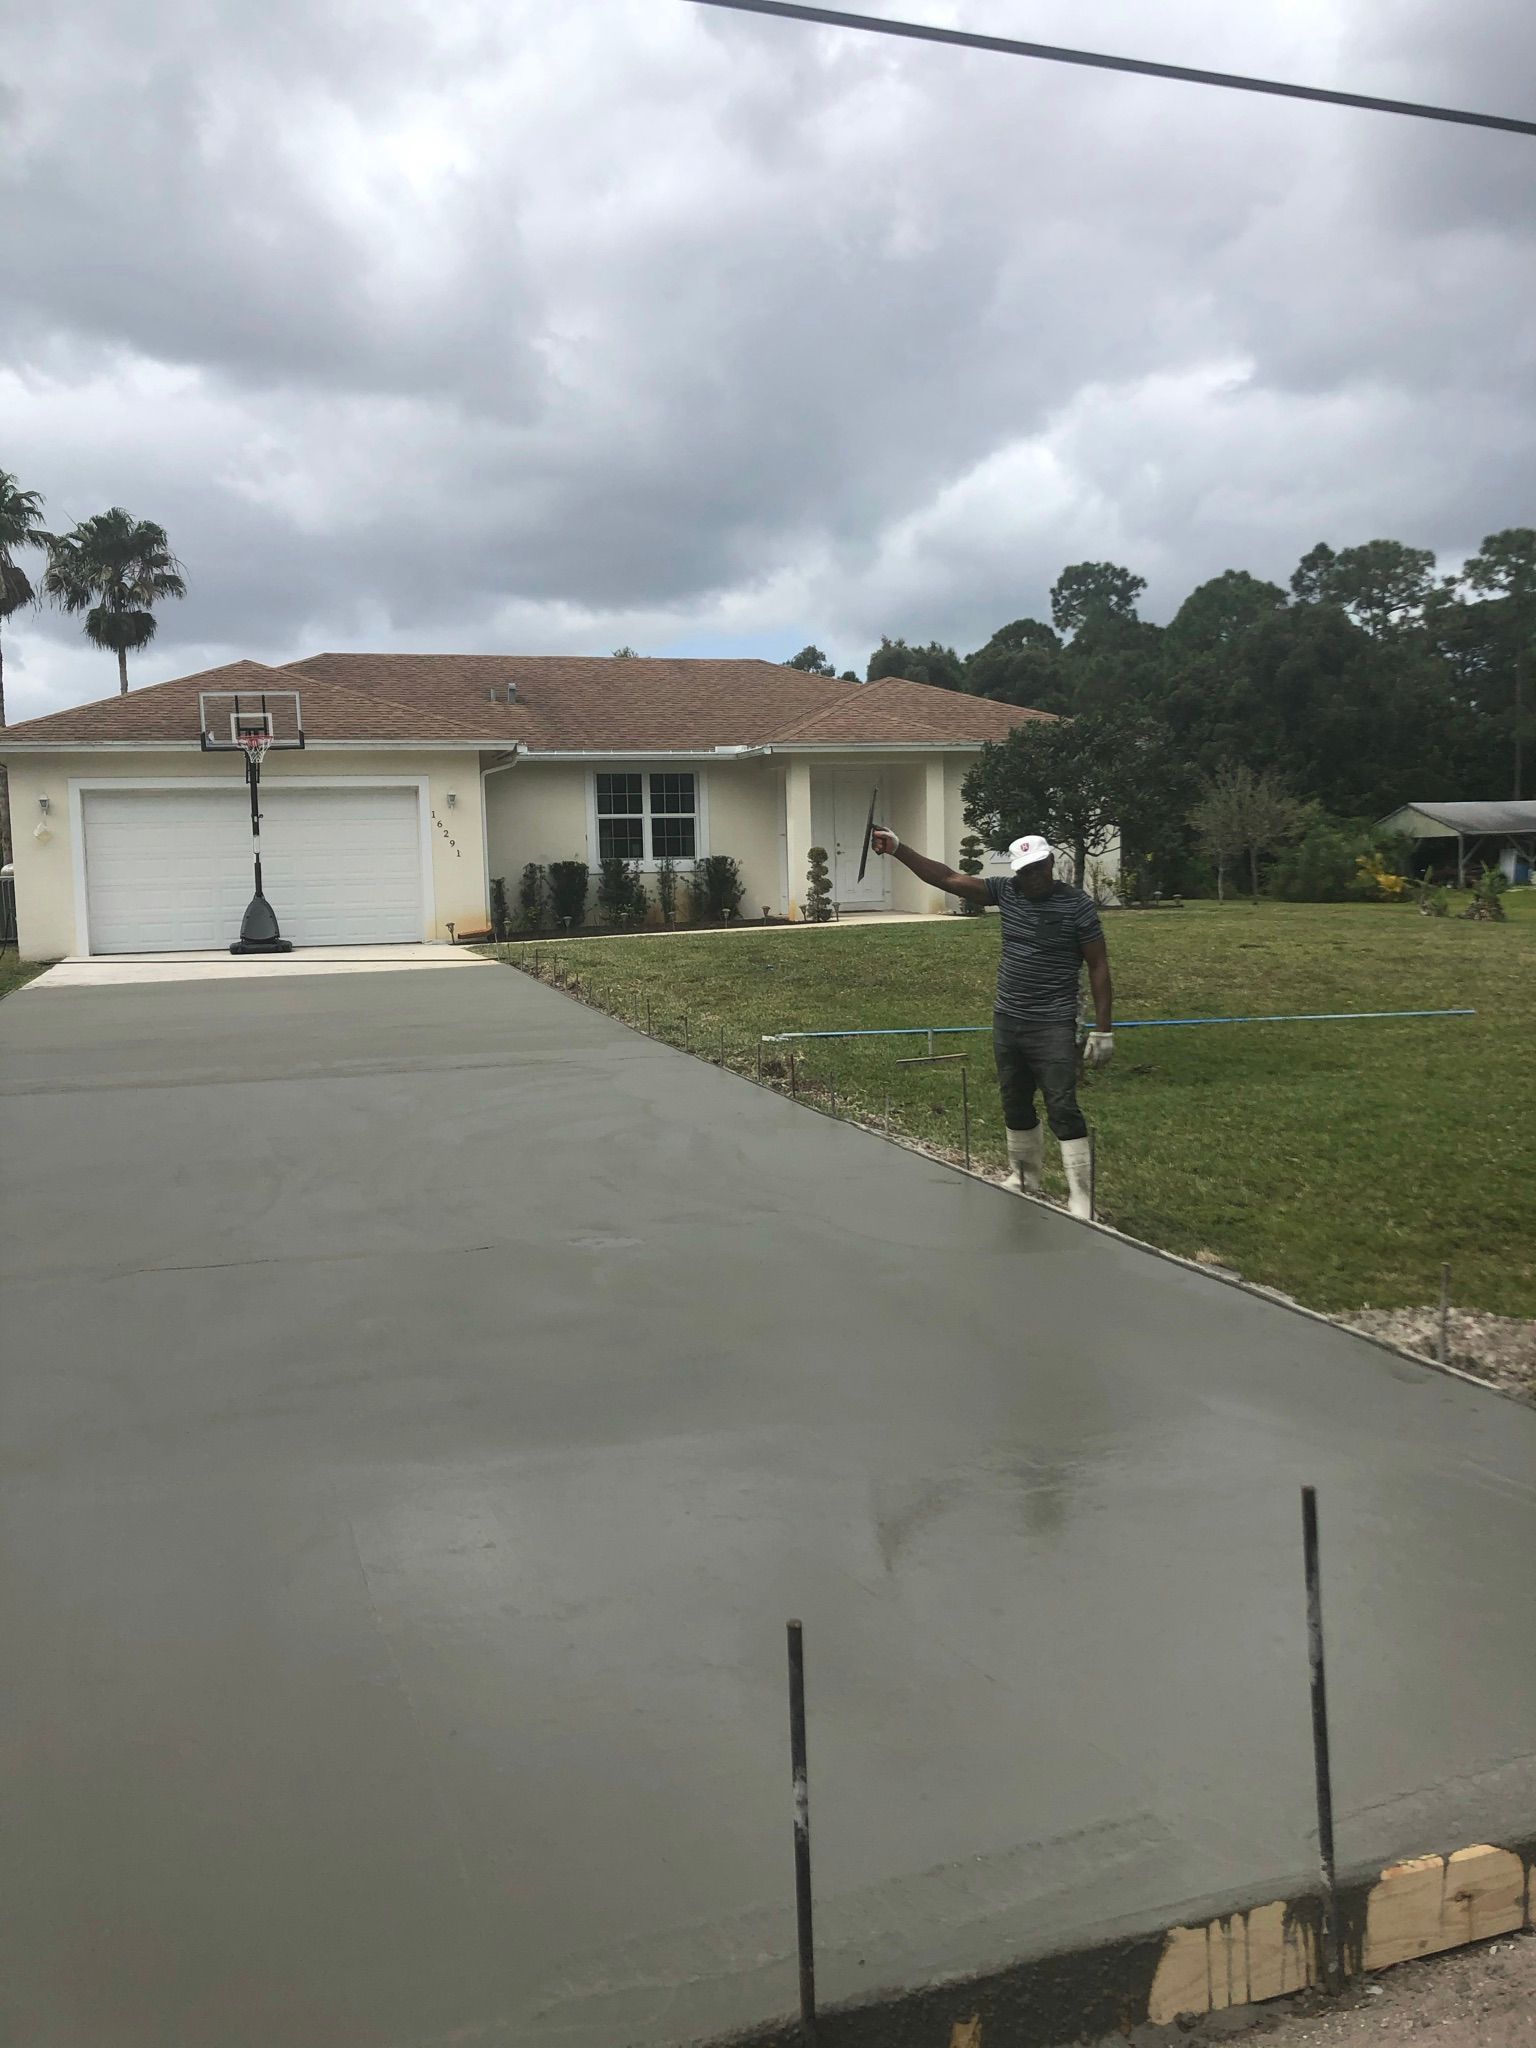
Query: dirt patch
1497, 1348
1478, 1998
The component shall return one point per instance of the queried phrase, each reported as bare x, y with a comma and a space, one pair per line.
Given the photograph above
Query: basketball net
254, 746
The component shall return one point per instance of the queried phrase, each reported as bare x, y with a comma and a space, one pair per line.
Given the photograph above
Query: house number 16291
437, 821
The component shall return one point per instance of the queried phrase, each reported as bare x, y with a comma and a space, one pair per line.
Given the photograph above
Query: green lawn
15, 974
1339, 1162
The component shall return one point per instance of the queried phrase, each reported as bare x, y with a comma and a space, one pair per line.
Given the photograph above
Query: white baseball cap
1023, 853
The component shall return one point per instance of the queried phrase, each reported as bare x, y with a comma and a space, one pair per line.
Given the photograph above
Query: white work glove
883, 840
1100, 1049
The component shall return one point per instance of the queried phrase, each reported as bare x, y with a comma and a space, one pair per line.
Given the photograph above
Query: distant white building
1463, 836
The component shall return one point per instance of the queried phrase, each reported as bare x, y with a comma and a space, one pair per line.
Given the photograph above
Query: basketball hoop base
258, 930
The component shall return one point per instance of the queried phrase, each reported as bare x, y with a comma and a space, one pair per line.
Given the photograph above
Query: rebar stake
1333, 1975
804, 1932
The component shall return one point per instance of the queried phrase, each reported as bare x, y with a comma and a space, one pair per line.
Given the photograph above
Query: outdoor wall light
451, 801
42, 831
45, 804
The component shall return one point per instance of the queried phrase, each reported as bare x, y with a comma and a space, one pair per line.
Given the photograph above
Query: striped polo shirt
1040, 967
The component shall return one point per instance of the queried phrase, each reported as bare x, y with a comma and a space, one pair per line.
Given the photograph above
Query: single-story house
423, 777
1459, 837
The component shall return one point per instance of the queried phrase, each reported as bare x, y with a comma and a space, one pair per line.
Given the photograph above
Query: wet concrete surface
423, 1403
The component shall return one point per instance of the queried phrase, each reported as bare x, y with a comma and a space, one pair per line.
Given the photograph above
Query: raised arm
972, 887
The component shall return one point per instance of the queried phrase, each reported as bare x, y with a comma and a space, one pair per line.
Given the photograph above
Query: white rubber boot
1077, 1158
1026, 1155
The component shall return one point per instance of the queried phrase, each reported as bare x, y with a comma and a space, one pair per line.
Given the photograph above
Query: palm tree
114, 568
21, 526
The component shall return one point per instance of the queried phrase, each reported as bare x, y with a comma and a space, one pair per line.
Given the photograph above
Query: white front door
169, 870
839, 813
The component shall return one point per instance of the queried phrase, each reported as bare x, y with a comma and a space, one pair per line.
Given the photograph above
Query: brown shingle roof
562, 703
169, 712
583, 703
894, 709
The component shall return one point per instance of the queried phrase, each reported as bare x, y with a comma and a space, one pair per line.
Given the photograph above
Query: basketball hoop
254, 746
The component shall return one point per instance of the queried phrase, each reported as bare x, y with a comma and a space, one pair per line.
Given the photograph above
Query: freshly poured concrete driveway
424, 1402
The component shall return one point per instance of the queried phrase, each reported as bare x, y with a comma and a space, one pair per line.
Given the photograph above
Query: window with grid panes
620, 817
647, 817
674, 810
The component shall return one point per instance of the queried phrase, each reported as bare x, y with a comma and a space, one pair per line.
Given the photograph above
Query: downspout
501, 767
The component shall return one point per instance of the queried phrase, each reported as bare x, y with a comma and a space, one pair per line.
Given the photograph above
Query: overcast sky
503, 325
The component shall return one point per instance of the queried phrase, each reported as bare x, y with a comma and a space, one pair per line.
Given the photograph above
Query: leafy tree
1094, 590
1310, 577
1243, 813
1321, 865
940, 666
1505, 564
21, 526
115, 569
1020, 664
1220, 612
1381, 581
1079, 781
625, 653
812, 661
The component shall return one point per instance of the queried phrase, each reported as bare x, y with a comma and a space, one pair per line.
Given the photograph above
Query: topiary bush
818, 895
972, 848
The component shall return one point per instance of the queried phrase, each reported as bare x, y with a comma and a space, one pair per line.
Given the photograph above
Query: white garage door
169, 870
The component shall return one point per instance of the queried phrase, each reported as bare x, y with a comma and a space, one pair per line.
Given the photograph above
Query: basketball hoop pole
258, 928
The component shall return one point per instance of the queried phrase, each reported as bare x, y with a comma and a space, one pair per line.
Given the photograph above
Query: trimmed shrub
568, 881
501, 916
532, 898
717, 888
666, 889
620, 893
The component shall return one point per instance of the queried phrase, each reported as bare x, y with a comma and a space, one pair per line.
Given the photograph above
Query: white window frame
645, 769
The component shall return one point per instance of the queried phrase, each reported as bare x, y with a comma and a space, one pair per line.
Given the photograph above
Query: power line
966, 39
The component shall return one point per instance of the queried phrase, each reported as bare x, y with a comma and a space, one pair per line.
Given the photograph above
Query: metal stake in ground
804, 1932
1333, 1974
1445, 1314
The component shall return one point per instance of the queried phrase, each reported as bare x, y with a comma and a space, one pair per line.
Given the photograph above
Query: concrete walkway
134, 970
423, 1404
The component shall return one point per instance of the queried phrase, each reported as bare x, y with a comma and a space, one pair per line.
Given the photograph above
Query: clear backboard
229, 719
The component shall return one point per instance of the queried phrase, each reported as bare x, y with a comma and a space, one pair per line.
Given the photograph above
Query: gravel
1481, 1997
1497, 1348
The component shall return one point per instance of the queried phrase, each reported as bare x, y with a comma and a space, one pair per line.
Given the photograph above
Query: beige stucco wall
539, 811
46, 871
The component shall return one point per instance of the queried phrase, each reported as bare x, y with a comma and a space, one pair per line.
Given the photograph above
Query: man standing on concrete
1050, 931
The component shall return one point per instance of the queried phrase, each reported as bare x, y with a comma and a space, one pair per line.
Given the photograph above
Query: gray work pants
1038, 1057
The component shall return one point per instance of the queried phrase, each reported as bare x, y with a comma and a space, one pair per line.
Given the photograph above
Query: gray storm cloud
535, 328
